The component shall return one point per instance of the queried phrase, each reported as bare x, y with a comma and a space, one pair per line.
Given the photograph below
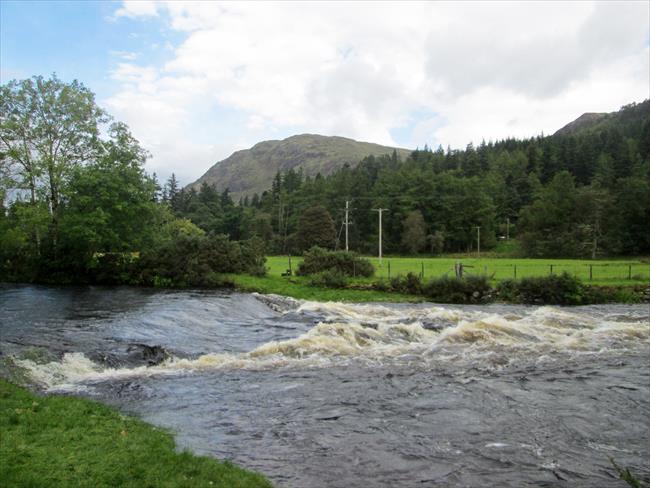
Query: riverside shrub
561, 289
329, 279
409, 284
196, 260
470, 289
317, 260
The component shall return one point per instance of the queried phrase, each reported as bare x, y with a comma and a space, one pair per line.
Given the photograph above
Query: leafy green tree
48, 128
19, 252
109, 204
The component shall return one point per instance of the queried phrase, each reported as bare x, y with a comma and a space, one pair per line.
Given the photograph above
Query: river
344, 395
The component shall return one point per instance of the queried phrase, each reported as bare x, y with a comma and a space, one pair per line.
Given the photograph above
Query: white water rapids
383, 335
330, 394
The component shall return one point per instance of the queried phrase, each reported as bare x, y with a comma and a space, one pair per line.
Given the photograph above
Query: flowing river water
344, 395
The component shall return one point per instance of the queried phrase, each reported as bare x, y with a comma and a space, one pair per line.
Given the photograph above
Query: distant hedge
471, 289
562, 289
317, 260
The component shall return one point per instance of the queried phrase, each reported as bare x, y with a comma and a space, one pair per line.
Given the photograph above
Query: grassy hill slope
252, 170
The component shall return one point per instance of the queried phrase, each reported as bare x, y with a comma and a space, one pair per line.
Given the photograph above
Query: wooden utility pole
380, 210
347, 223
478, 241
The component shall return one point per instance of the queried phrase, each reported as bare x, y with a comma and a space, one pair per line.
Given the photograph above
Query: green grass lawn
603, 272
298, 287
70, 442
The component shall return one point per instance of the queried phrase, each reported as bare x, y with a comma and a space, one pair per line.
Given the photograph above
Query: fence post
389, 270
591, 272
515, 271
290, 270
422, 278
551, 269
354, 269
629, 271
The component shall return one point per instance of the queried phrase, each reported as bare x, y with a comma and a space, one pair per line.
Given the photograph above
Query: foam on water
383, 334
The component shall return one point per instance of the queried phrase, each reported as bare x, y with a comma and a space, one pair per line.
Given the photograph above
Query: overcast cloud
394, 73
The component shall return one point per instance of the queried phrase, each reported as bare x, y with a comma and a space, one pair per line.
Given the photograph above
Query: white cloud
137, 8
125, 55
247, 71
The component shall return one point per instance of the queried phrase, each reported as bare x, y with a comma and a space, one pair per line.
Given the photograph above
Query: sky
196, 81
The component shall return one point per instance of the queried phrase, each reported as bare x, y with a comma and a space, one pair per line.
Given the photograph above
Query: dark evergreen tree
316, 228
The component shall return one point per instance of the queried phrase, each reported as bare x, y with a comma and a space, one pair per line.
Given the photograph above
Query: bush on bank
330, 278
317, 260
471, 289
190, 260
561, 289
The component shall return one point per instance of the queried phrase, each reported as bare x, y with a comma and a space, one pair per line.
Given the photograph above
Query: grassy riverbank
621, 276
67, 441
299, 287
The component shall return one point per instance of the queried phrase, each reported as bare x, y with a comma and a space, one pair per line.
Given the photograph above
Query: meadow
596, 272
610, 273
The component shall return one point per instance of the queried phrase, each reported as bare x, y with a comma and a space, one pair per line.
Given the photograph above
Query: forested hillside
584, 191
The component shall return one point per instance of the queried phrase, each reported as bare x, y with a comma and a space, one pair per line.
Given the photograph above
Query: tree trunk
54, 207
32, 196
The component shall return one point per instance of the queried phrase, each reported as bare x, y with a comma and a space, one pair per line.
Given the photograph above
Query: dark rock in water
278, 303
369, 325
152, 355
134, 355
435, 325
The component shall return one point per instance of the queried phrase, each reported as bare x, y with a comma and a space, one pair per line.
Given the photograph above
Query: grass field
70, 442
604, 273
599, 272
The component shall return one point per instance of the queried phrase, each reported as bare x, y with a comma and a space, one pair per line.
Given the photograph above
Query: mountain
252, 170
628, 120
585, 121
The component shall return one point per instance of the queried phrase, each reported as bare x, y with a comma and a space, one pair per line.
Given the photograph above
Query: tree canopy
77, 206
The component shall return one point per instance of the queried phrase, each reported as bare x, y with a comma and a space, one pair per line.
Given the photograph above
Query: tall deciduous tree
109, 204
47, 128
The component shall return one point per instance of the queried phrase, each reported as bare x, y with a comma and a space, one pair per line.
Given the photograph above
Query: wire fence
497, 269
637, 272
